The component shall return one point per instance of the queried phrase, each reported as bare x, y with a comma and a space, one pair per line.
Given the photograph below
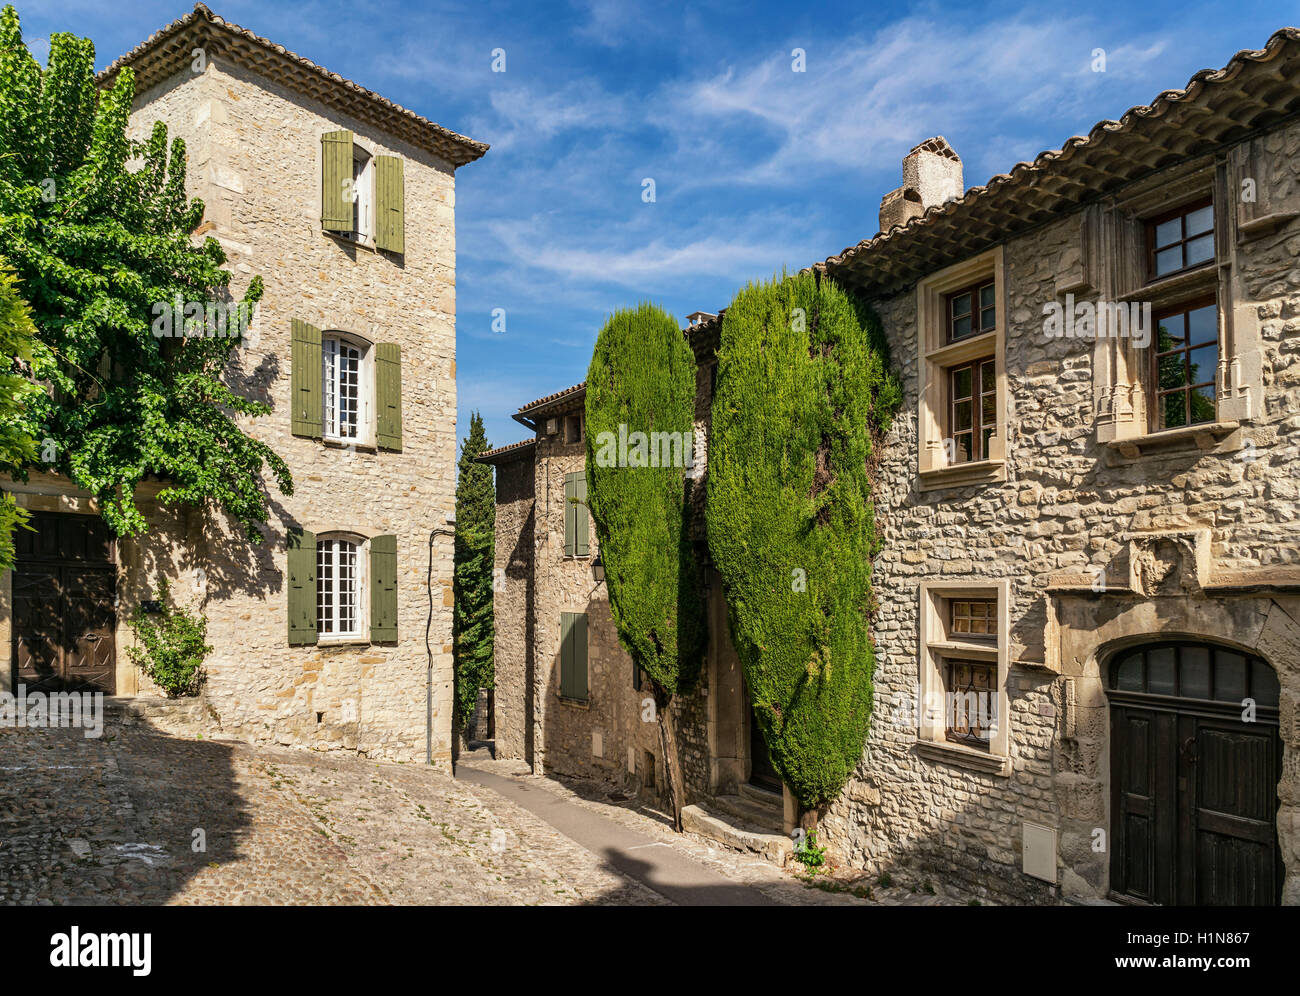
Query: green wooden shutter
301, 573
566, 654
570, 515
390, 221
580, 655
305, 380
383, 589
388, 391
582, 528
336, 176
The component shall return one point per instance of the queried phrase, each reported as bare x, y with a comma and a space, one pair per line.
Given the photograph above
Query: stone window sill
1189, 437
343, 641
964, 757
584, 704
350, 240
339, 443
963, 474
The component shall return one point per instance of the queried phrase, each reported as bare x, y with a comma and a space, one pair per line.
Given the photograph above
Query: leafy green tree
472, 624
803, 398
642, 381
17, 447
104, 252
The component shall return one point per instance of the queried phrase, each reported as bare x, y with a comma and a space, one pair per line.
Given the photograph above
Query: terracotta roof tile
168, 51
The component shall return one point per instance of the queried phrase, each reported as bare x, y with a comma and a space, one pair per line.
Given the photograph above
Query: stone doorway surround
1162, 586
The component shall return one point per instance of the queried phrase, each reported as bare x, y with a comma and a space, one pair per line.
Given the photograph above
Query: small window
338, 588
972, 312
345, 398
363, 186
573, 428
976, 618
972, 702
1180, 239
1186, 364
972, 409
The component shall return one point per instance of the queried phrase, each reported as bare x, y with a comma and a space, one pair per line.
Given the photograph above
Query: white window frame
363, 187
938, 646
329, 553
333, 345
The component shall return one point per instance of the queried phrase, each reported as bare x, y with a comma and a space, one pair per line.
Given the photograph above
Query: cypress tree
642, 380
803, 397
472, 625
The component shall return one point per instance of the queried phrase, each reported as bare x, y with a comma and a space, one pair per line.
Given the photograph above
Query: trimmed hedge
642, 380
803, 396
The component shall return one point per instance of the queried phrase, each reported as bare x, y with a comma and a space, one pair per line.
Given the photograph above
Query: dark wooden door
762, 772
64, 590
1193, 783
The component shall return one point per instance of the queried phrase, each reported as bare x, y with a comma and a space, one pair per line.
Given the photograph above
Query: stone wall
512, 608
254, 158
1068, 505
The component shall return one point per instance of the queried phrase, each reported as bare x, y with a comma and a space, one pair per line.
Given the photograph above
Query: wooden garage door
64, 589
1195, 757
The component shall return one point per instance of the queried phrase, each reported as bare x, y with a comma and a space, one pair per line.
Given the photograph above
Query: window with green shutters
300, 583
383, 589
336, 187
332, 387
577, 526
362, 196
573, 655
390, 221
326, 584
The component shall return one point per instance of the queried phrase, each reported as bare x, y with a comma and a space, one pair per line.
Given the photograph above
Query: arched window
1204, 671
340, 580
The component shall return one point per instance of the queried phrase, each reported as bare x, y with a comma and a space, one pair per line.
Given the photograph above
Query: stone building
1089, 627
344, 204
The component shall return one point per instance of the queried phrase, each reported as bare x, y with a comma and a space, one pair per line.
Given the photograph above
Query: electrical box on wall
1038, 852
552, 426
597, 743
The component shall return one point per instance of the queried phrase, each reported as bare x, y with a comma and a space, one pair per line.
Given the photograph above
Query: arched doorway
1195, 756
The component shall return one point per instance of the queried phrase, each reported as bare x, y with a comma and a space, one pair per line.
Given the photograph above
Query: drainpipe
428, 649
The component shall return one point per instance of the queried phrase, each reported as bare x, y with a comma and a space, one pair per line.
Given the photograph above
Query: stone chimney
931, 176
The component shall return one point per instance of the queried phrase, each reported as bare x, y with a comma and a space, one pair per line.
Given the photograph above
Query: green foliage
642, 377
171, 645
803, 394
17, 447
472, 624
808, 854
97, 246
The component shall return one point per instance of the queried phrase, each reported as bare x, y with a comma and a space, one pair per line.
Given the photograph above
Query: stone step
737, 834
755, 814
766, 797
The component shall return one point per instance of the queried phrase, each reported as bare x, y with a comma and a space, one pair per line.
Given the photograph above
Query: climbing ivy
803, 397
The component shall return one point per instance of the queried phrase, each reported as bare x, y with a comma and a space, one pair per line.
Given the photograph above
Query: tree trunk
672, 765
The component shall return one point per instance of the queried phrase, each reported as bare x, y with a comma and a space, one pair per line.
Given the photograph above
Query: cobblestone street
142, 817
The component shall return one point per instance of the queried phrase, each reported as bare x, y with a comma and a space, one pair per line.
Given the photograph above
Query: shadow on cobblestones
72, 832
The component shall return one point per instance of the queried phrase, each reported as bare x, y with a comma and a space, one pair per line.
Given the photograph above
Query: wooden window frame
979, 448
982, 737
1182, 211
1157, 394
977, 328
938, 647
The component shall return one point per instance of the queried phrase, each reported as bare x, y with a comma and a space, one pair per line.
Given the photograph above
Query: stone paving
142, 817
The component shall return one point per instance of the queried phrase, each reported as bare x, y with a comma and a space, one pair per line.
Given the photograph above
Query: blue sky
756, 167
